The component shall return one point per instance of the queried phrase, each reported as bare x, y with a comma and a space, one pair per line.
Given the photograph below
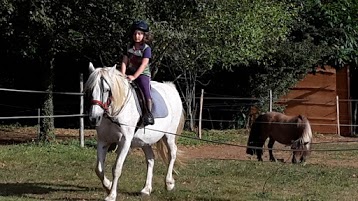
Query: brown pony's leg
303, 157
260, 150
294, 160
270, 146
259, 153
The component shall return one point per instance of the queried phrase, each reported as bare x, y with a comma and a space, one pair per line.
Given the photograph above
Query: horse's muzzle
95, 121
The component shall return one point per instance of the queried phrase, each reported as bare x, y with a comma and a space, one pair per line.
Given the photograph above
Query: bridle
104, 105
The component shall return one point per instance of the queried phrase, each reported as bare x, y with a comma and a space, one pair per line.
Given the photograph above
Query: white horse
114, 111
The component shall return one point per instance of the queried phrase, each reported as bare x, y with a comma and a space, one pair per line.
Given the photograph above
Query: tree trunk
47, 123
190, 83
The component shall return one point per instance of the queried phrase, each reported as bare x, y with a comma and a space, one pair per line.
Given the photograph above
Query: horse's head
100, 90
299, 144
302, 144
300, 149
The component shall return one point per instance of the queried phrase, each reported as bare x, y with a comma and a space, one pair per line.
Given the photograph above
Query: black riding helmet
140, 25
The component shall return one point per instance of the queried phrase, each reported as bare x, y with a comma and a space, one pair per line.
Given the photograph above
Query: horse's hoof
144, 194
107, 187
273, 160
170, 186
303, 160
110, 198
146, 191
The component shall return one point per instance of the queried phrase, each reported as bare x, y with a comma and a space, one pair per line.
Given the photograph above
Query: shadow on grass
42, 189
26, 189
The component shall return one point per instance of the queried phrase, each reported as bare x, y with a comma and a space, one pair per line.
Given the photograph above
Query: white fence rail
81, 115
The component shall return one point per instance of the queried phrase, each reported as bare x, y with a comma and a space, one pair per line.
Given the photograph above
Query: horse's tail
181, 124
254, 135
162, 148
181, 159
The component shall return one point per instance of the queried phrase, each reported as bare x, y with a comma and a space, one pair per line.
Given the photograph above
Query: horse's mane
307, 131
171, 84
303, 123
115, 79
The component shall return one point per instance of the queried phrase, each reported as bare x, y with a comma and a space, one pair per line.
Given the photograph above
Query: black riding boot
148, 118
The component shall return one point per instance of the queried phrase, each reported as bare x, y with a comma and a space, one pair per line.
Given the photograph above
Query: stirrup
148, 119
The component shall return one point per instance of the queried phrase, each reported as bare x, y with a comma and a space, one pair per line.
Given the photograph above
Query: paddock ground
236, 151
64, 171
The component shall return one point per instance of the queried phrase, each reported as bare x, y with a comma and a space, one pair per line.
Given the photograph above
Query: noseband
103, 105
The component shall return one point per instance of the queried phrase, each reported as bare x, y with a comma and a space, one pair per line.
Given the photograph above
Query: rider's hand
130, 77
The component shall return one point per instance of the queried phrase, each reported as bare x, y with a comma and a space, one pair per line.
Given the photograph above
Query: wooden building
315, 96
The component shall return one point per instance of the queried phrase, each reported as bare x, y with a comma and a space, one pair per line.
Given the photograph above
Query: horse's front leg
149, 155
122, 152
294, 159
101, 156
270, 146
259, 153
303, 158
260, 148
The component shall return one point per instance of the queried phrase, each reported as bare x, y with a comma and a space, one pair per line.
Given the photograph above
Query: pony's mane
307, 132
115, 79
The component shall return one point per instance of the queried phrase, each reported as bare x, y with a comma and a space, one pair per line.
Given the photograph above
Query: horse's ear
91, 67
113, 69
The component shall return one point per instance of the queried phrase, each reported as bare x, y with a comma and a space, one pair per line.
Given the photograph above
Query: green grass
211, 136
66, 172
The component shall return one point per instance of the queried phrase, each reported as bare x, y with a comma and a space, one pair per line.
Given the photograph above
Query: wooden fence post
338, 124
271, 102
38, 124
82, 136
200, 111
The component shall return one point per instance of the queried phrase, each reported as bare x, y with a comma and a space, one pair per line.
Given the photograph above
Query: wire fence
208, 106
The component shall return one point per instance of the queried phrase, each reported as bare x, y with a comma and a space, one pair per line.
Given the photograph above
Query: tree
340, 31
195, 42
320, 33
41, 32
214, 34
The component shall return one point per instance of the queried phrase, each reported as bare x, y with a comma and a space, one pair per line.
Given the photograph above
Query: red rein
104, 106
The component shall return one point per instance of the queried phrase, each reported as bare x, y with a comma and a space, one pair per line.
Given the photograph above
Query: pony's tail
254, 136
162, 148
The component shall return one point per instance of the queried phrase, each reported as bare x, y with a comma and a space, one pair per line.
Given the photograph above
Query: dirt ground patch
29, 134
227, 152
209, 151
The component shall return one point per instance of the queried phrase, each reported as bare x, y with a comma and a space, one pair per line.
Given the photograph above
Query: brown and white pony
294, 131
